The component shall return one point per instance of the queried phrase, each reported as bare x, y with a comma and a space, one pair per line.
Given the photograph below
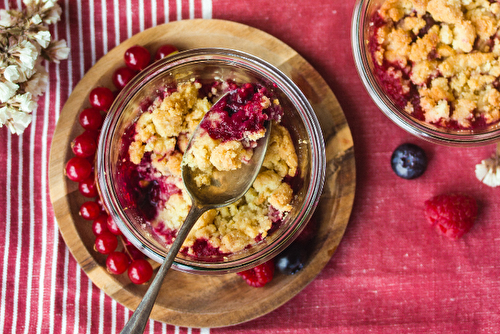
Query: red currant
101, 205
140, 271
134, 253
101, 98
78, 169
112, 227
122, 76
137, 58
84, 145
165, 50
93, 133
88, 187
100, 224
117, 263
90, 210
106, 242
90, 119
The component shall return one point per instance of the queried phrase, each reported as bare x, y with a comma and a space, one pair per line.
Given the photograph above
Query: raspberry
452, 214
260, 275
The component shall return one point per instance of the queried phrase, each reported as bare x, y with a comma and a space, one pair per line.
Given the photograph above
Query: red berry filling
241, 111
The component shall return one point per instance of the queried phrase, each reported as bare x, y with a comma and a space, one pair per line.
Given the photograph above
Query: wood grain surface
195, 300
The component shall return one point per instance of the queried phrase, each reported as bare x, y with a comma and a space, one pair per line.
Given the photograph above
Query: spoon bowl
226, 187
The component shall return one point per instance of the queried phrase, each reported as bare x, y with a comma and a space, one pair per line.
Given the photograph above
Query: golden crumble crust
281, 155
230, 156
451, 60
423, 46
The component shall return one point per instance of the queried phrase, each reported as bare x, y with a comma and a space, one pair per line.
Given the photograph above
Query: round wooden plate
194, 300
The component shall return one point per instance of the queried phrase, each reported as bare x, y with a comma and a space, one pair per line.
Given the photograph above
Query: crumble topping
439, 59
160, 137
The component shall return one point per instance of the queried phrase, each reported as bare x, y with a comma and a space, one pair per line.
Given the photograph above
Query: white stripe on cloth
154, 13
19, 234
45, 203
92, 32
27, 315
129, 18
44, 246
191, 9
104, 27
206, 9
179, 9
8, 220
116, 15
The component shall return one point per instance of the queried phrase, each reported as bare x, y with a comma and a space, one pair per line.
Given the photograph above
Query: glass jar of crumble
192, 79
432, 67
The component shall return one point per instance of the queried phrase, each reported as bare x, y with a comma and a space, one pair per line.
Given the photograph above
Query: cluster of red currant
80, 168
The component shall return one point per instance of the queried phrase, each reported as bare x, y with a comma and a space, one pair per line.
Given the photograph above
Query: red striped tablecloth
391, 273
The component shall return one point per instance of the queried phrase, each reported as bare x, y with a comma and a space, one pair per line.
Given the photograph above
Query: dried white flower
53, 14
488, 171
57, 51
11, 73
15, 120
43, 38
49, 10
37, 84
7, 90
25, 41
36, 19
6, 20
23, 102
25, 55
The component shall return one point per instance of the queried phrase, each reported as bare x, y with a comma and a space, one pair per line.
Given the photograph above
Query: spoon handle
137, 322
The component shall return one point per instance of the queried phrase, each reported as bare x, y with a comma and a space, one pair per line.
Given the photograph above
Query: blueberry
408, 161
292, 259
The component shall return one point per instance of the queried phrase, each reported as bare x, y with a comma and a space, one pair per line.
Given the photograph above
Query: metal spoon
225, 188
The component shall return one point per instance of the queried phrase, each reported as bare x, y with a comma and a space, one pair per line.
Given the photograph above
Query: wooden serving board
195, 300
